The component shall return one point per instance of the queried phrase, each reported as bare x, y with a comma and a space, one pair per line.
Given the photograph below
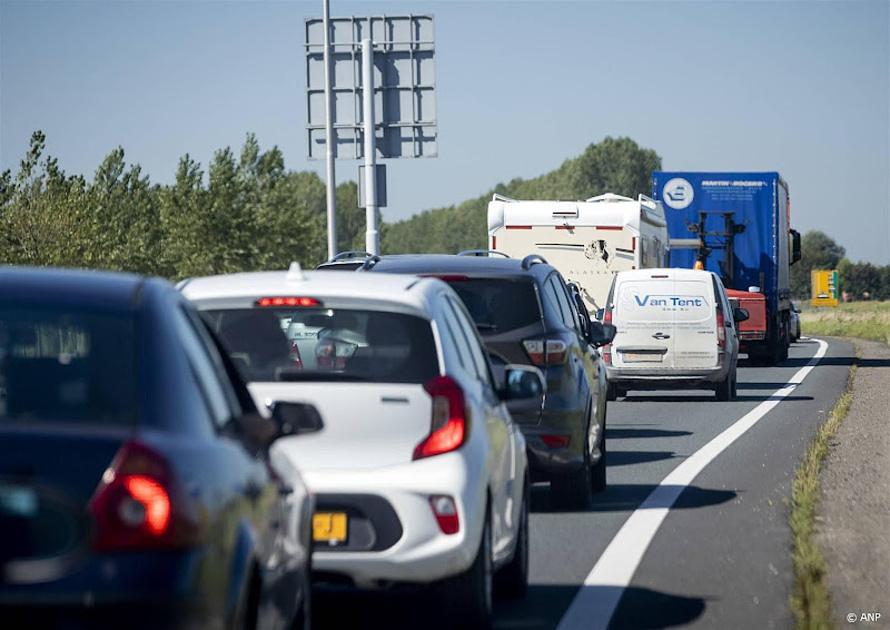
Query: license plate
638, 357
329, 527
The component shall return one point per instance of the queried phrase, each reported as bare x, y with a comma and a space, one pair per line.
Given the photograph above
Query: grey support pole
330, 139
372, 241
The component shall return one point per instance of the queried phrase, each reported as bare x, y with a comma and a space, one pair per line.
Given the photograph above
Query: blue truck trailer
737, 225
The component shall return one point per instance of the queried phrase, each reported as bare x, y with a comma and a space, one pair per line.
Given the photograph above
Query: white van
587, 241
676, 328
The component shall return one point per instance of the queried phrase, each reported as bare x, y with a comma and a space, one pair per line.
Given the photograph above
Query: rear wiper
291, 375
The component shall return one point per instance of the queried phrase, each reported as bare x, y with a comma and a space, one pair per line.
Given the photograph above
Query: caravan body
587, 241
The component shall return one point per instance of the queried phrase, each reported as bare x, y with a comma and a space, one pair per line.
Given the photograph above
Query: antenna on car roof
532, 259
295, 273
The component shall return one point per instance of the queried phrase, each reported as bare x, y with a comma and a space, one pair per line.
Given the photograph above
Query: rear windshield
286, 344
66, 366
499, 305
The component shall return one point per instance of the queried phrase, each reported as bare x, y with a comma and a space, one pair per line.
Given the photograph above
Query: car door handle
660, 335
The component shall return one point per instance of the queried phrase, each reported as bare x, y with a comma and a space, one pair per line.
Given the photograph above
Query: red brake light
138, 505
448, 427
606, 350
556, 441
445, 511
721, 329
545, 352
303, 302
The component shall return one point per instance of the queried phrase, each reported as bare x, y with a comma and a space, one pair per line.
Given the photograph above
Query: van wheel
611, 392
512, 580
725, 390
469, 594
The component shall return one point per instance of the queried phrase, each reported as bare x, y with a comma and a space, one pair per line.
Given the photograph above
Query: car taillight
138, 504
556, 441
448, 427
721, 329
445, 511
546, 351
606, 350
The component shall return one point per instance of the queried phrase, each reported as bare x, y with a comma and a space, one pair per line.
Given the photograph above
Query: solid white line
595, 602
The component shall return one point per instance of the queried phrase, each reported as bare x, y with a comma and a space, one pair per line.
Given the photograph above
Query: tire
246, 610
726, 388
512, 580
611, 392
573, 490
470, 594
598, 471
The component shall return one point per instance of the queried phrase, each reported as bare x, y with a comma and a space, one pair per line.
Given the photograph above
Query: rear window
65, 365
499, 305
666, 301
305, 344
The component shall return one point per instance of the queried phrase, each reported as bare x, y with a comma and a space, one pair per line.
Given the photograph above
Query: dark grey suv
527, 315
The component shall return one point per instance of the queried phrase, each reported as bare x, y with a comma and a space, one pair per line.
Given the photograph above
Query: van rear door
695, 322
645, 321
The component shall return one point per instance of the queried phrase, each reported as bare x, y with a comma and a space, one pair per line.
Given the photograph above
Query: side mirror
601, 334
740, 314
295, 418
600, 312
795, 246
523, 382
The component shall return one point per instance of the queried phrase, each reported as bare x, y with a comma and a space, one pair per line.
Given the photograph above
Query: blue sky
798, 87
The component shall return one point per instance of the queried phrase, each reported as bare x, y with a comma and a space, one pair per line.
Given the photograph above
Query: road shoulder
853, 517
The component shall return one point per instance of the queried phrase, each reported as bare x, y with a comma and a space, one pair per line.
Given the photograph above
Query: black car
135, 489
526, 314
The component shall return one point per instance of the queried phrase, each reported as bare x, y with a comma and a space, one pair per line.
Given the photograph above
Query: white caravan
587, 241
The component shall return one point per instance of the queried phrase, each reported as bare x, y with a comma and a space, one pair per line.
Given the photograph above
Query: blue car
135, 483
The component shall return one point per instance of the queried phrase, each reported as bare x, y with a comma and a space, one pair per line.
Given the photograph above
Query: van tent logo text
668, 300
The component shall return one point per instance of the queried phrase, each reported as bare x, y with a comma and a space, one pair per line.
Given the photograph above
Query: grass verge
810, 599
867, 320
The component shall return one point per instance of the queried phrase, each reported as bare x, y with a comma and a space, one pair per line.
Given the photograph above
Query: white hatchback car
420, 475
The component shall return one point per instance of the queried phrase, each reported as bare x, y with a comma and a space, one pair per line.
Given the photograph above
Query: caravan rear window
499, 305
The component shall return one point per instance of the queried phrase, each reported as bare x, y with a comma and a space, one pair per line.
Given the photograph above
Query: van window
663, 300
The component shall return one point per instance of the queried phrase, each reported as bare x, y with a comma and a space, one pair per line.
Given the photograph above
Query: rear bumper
421, 553
660, 378
138, 590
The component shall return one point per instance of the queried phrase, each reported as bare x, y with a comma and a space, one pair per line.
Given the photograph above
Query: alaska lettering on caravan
668, 300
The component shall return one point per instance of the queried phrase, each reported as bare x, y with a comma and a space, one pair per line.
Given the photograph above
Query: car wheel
598, 472
573, 490
725, 388
512, 580
470, 593
611, 392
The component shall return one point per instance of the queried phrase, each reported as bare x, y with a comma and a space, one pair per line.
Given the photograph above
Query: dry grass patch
868, 320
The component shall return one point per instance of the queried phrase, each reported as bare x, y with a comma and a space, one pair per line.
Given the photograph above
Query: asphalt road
720, 556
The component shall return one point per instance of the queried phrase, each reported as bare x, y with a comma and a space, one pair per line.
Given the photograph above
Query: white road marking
595, 603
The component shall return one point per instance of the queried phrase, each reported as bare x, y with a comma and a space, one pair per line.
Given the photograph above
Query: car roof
408, 291
70, 287
658, 274
450, 263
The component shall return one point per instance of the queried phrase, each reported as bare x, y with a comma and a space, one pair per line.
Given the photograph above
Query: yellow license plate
329, 527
